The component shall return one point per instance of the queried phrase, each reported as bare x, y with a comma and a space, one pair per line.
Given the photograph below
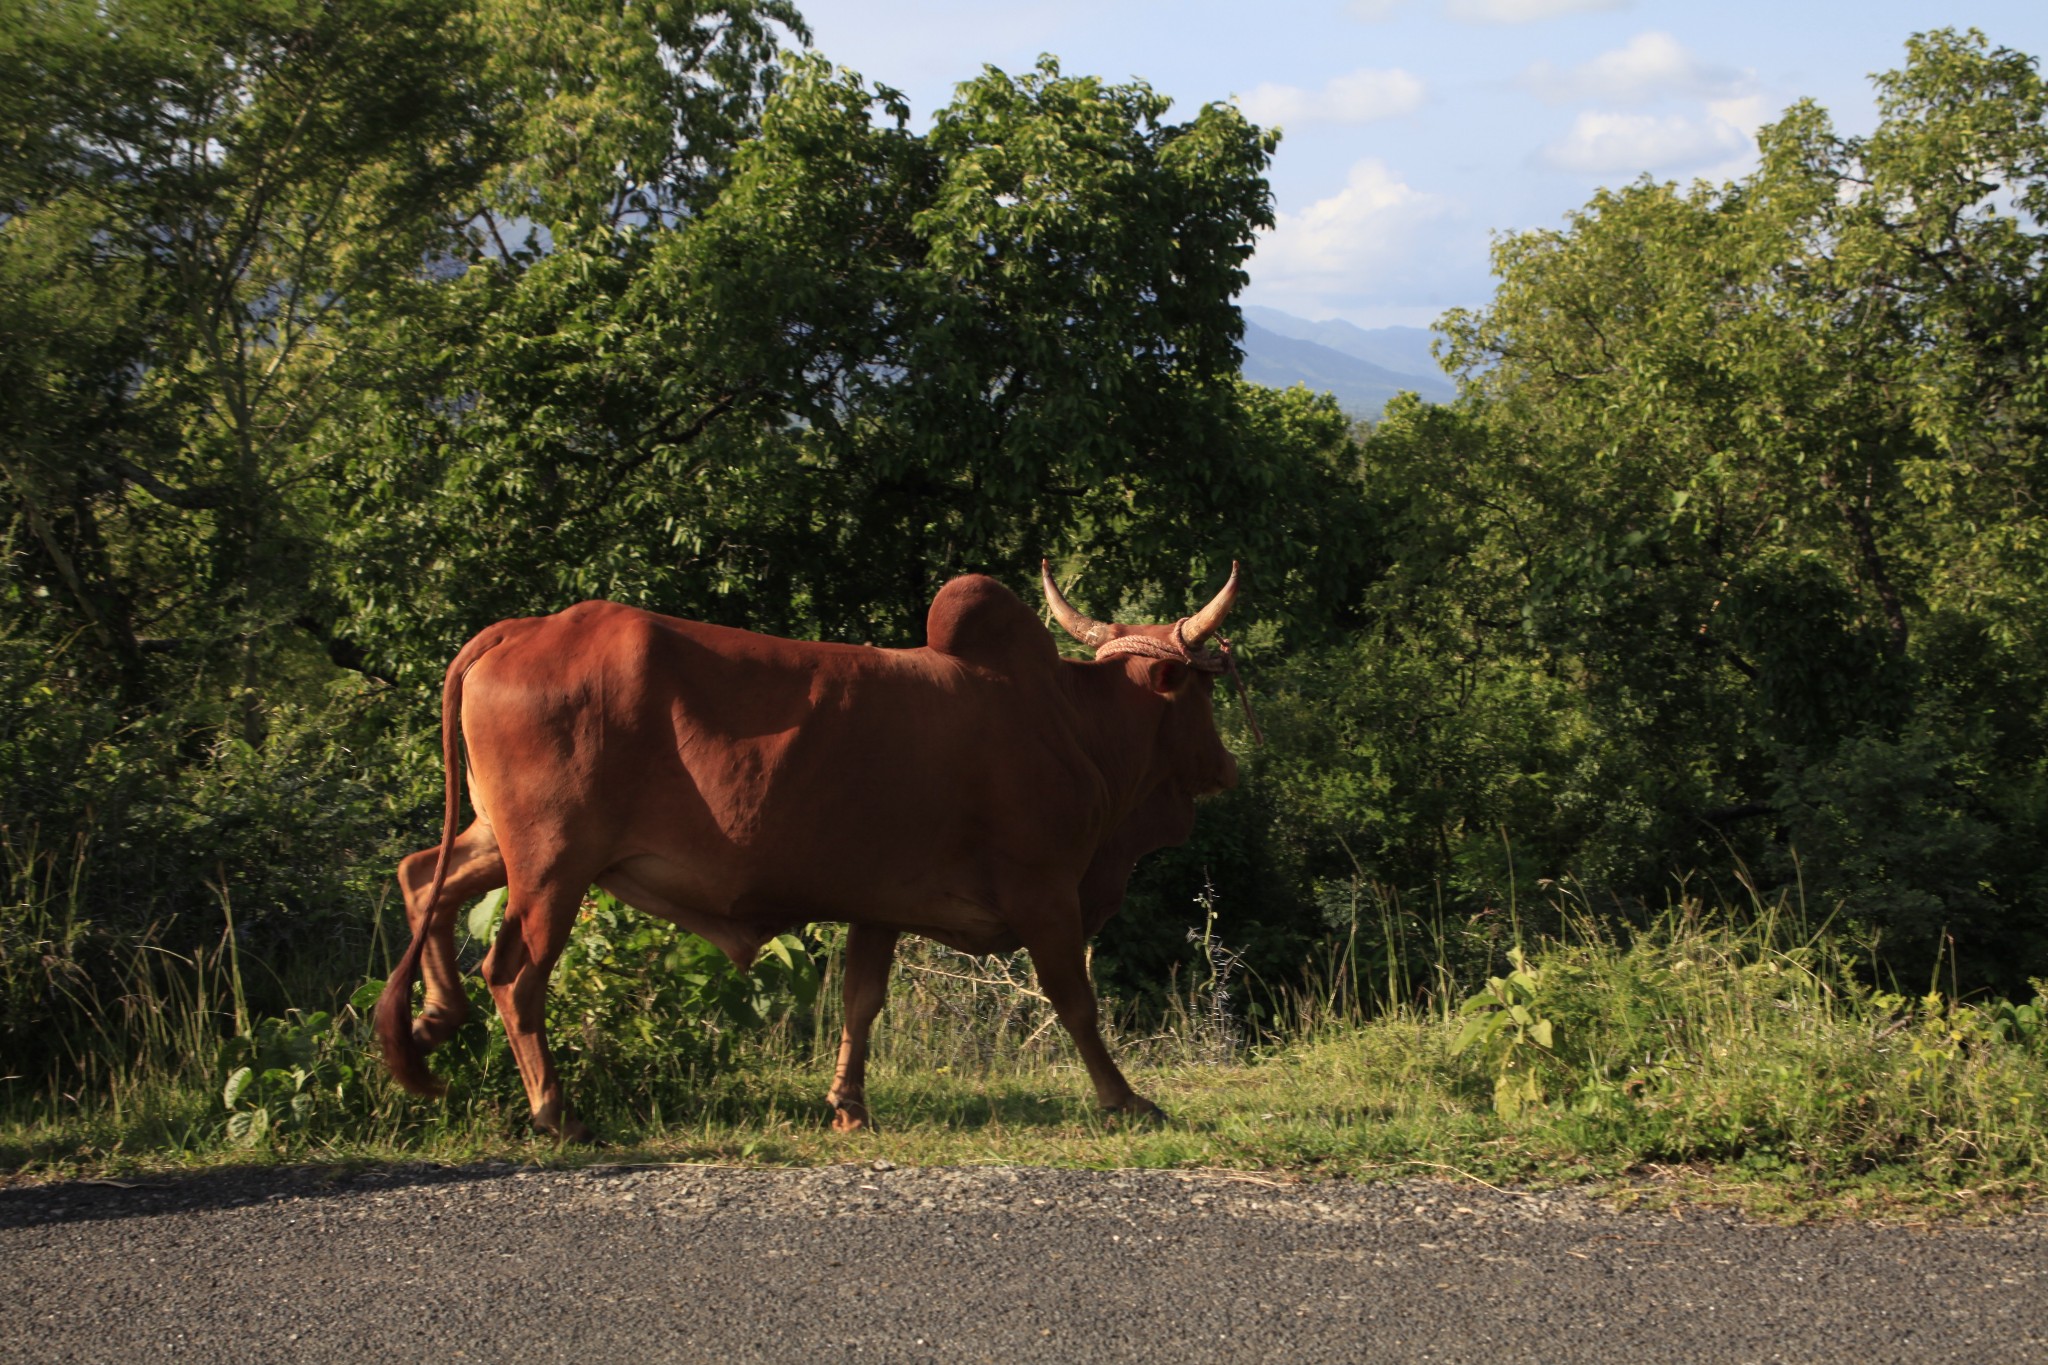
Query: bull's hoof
851, 1116
1135, 1113
566, 1129
430, 1030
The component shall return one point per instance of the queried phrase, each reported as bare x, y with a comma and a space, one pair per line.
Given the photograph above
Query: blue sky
1415, 129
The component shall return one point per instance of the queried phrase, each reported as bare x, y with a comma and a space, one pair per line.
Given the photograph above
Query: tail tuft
402, 1055
408, 1065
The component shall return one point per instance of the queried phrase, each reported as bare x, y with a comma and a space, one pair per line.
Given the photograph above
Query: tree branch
1856, 516
652, 441
191, 499
341, 651
1728, 815
115, 635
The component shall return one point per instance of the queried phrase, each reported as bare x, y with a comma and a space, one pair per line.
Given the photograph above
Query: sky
1414, 131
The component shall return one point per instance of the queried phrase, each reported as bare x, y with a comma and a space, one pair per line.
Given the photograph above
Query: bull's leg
869, 951
474, 867
1059, 952
535, 931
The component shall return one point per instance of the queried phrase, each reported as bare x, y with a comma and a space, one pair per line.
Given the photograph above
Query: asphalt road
853, 1263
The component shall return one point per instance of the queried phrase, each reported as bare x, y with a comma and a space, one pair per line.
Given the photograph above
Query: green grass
1701, 1058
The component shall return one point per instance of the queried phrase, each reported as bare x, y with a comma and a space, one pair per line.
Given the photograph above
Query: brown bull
981, 791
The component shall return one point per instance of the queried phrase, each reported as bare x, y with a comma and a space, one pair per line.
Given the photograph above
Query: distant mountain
1361, 383
1402, 349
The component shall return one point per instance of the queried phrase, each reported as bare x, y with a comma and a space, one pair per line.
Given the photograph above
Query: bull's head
1176, 665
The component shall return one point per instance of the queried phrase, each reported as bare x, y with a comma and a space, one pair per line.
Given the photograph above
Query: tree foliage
1733, 543
335, 333
874, 360
332, 333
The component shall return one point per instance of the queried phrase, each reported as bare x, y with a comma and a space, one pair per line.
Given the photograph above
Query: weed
290, 1076
1504, 1030
1738, 1053
1221, 1035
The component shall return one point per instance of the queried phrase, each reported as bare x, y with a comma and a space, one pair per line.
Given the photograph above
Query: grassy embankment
1705, 1056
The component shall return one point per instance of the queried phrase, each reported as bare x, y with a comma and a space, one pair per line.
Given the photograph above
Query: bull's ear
1166, 676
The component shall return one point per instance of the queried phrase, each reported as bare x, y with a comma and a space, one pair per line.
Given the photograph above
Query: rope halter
1212, 661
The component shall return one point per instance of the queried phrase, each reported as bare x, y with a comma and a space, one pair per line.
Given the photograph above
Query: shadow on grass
232, 1187
893, 1109
969, 1110
728, 1124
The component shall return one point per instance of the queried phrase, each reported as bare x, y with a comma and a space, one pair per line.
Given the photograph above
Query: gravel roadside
687, 1263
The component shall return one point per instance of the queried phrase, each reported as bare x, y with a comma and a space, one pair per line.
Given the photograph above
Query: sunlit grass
1705, 1056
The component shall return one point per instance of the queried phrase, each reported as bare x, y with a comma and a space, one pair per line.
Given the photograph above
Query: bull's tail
408, 1065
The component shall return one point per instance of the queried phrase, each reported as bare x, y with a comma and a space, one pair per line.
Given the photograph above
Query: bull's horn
1209, 619
1086, 629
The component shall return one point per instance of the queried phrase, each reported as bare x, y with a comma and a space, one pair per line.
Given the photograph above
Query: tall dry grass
1740, 1044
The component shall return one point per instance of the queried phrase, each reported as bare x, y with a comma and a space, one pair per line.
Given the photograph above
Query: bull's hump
976, 619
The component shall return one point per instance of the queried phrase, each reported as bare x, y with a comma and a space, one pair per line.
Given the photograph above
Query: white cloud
1525, 11
1358, 97
1746, 114
1648, 67
1718, 143
1368, 242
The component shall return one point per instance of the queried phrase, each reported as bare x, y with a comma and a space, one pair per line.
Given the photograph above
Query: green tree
873, 360
618, 114
207, 211
193, 197
1758, 467
338, 332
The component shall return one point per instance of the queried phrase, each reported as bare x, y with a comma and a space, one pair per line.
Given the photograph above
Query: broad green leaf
485, 915
248, 1127
1474, 1030
238, 1083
